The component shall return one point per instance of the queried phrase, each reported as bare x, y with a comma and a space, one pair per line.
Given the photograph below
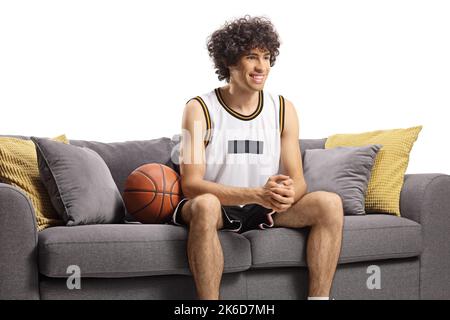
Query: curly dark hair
236, 38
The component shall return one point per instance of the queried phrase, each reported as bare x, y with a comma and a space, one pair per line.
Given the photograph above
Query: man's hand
278, 193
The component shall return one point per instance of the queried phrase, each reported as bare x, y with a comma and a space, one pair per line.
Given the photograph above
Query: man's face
252, 70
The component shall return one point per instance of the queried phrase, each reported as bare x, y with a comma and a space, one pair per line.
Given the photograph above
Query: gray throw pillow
342, 170
79, 183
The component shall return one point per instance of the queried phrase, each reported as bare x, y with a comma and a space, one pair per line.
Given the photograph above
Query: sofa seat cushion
127, 250
365, 238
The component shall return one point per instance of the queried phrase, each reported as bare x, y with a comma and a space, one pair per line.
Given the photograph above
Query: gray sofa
411, 254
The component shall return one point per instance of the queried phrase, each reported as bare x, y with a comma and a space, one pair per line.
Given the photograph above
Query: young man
241, 166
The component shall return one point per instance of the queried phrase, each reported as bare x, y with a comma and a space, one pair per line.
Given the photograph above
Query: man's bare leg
322, 211
204, 217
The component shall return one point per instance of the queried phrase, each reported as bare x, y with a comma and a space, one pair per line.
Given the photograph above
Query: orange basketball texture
152, 193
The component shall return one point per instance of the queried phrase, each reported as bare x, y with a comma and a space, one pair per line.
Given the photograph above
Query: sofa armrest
18, 246
425, 198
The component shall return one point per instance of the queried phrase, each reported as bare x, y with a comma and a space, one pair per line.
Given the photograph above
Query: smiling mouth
257, 78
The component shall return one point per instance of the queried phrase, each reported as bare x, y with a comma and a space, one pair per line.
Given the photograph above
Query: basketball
152, 193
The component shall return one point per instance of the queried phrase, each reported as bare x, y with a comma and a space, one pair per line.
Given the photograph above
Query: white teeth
257, 78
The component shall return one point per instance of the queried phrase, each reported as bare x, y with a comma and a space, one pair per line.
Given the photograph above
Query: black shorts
235, 218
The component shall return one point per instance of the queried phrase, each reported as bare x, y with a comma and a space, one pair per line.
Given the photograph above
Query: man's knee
330, 208
206, 212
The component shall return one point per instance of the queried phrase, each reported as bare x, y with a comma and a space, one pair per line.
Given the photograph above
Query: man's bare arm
192, 163
291, 160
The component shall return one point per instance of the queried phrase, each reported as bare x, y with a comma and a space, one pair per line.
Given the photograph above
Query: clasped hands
278, 193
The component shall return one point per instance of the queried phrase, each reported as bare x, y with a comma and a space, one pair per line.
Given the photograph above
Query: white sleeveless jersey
242, 150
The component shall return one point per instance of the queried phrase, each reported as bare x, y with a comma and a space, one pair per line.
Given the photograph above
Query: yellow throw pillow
386, 181
19, 167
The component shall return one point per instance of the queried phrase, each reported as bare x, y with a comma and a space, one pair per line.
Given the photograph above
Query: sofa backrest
306, 144
123, 157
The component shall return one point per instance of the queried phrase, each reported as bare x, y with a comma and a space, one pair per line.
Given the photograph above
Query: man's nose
259, 67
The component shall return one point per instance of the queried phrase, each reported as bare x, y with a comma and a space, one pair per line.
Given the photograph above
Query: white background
123, 70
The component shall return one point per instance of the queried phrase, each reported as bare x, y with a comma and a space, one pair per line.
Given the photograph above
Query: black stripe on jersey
237, 114
207, 118
281, 115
